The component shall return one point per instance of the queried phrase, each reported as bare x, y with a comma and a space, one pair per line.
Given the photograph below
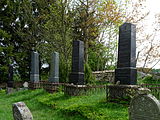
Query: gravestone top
144, 107
25, 84
21, 111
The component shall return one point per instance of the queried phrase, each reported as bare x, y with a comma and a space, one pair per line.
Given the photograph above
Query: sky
153, 6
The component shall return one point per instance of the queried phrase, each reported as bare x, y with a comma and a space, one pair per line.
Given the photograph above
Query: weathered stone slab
77, 74
126, 71
21, 111
10, 90
34, 74
54, 68
144, 107
25, 85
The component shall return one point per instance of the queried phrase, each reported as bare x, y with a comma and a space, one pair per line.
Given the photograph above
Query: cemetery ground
57, 106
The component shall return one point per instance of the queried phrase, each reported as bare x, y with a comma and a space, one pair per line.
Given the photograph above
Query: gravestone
126, 72
10, 81
25, 85
144, 107
10, 76
34, 74
54, 68
21, 111
77, 74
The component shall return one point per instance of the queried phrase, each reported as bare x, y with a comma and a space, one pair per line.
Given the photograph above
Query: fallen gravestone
144, 107
21, 111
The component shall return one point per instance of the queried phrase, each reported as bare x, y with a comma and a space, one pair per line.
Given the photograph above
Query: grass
149, 80
45, 106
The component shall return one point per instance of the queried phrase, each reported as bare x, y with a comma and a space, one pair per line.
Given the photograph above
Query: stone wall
104, 76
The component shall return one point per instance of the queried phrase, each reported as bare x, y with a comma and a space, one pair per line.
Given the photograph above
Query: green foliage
89, 78
149, 80
16, 77
47, 26
101, 57
57, 36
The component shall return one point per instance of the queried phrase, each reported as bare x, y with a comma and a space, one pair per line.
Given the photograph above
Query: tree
57, 36
21, 22
93, 20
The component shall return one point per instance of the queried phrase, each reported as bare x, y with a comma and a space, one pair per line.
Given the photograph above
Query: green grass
149, 80
45, 106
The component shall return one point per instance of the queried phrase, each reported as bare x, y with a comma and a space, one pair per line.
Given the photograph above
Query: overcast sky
153, 6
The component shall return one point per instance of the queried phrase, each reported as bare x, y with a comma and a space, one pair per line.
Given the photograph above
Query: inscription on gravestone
10, 76
21, 111
77, 74
54, 68
34, 74
126, 71
144, 107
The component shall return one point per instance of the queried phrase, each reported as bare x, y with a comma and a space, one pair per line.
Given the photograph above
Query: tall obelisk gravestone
34, 74
54, 68
126, 71
10, 76
77, 74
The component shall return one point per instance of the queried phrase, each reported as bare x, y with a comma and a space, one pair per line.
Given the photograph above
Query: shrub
149, 80
89, 78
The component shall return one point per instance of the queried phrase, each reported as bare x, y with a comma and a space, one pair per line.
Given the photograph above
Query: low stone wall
77, 90
104, 76
121, 91
16, 84
3, 85
48, 86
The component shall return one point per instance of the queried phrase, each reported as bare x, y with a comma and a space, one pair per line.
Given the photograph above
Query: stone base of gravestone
10, 90
75, 90
126, 76
144, 107
77, 78
21, 111
33, 85
21, 89
52, 87
121, 91
78, 90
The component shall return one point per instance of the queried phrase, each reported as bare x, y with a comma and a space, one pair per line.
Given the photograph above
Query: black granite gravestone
77, 74
126, 71
34, 74
10, 76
